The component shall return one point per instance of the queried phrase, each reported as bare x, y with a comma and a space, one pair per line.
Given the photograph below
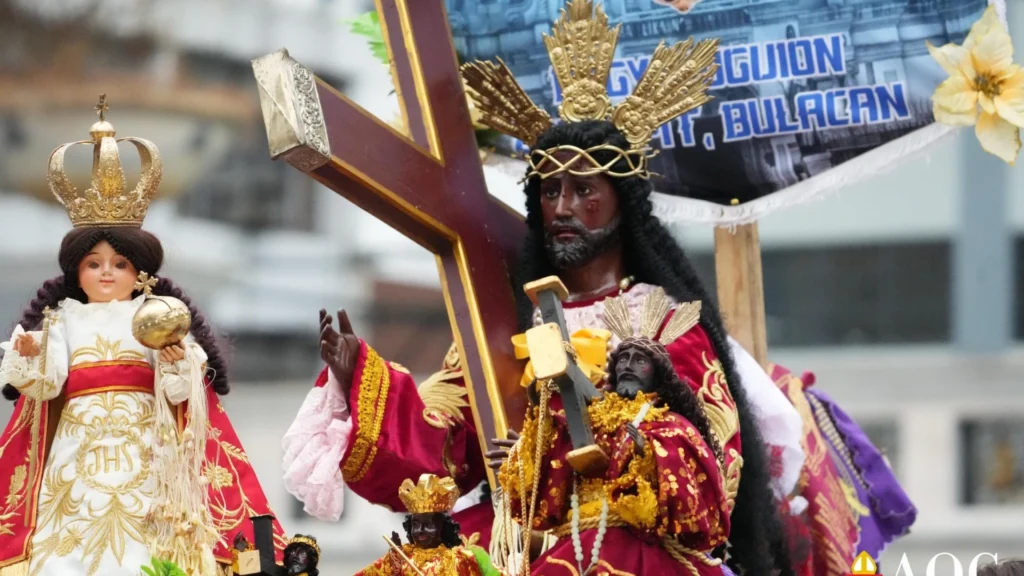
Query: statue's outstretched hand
26, 346
339, 349
396, 539
497, 457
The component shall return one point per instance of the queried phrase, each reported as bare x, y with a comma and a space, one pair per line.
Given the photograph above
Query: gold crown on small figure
581, 48
106, 203
300, 539
431, 494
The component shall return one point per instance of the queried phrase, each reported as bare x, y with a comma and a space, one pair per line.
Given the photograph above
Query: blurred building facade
902, 293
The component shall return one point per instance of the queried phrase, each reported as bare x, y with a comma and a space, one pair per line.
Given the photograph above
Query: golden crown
307, 540
581, 48
106, 203
431, 494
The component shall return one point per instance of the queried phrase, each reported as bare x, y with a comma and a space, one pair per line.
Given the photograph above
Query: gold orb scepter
161, 321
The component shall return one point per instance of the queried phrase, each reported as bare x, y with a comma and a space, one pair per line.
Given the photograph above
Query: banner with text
809, 94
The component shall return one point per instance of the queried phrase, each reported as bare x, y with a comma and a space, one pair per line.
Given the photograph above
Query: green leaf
484, 561
368, 25
163, 568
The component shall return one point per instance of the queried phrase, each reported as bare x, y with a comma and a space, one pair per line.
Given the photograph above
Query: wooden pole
741, 287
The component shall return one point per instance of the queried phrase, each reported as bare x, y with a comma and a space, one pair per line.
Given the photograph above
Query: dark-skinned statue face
634, 372
301, 557
297, 560
581, 216
426, 530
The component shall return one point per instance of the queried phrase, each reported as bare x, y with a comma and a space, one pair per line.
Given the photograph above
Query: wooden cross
429, 186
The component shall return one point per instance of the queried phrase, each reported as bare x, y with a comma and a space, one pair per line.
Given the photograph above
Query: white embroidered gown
96, 485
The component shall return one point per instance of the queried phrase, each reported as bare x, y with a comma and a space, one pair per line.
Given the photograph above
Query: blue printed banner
806, 93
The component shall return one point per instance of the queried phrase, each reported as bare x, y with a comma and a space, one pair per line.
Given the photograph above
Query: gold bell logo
864, 565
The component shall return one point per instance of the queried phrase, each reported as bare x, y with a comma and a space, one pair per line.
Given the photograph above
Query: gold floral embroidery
226, 458
443, 401
732, 478
17, 484
219, 476
718, 402
105, 350
112, 429
831, 526
373, 395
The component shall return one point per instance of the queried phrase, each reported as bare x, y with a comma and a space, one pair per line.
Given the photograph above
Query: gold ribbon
590, 344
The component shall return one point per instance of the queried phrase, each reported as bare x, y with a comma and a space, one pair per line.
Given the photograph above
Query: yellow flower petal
944, 116
988, 22
998, 137
1012, 79
986, 103
956, 95
955, 60
1010, 106
993, 53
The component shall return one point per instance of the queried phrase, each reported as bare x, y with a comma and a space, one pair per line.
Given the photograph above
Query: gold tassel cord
538, 456
184, 529
37, 417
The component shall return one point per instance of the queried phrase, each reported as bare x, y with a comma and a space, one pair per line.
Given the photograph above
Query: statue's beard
629, 386
581, 250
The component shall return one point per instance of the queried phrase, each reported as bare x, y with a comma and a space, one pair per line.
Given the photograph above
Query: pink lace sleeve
313, 449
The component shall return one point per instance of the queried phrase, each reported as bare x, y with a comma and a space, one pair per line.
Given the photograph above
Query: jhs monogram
108, 459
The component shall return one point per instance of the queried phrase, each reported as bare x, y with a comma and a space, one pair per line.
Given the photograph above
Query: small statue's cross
102, 107
554, 359
145, 284
258, 559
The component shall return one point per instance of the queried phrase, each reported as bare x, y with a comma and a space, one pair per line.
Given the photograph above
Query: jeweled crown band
545, 164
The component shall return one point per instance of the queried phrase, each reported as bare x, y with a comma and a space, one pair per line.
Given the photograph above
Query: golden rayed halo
581, 48
543, 163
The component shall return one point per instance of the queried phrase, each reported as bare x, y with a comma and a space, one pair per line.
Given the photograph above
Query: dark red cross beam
430, 187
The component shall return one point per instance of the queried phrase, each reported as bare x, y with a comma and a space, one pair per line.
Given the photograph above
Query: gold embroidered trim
373, 396
103, 363
111, 388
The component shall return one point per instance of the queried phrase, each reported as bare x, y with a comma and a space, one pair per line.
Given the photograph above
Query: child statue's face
105, 275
